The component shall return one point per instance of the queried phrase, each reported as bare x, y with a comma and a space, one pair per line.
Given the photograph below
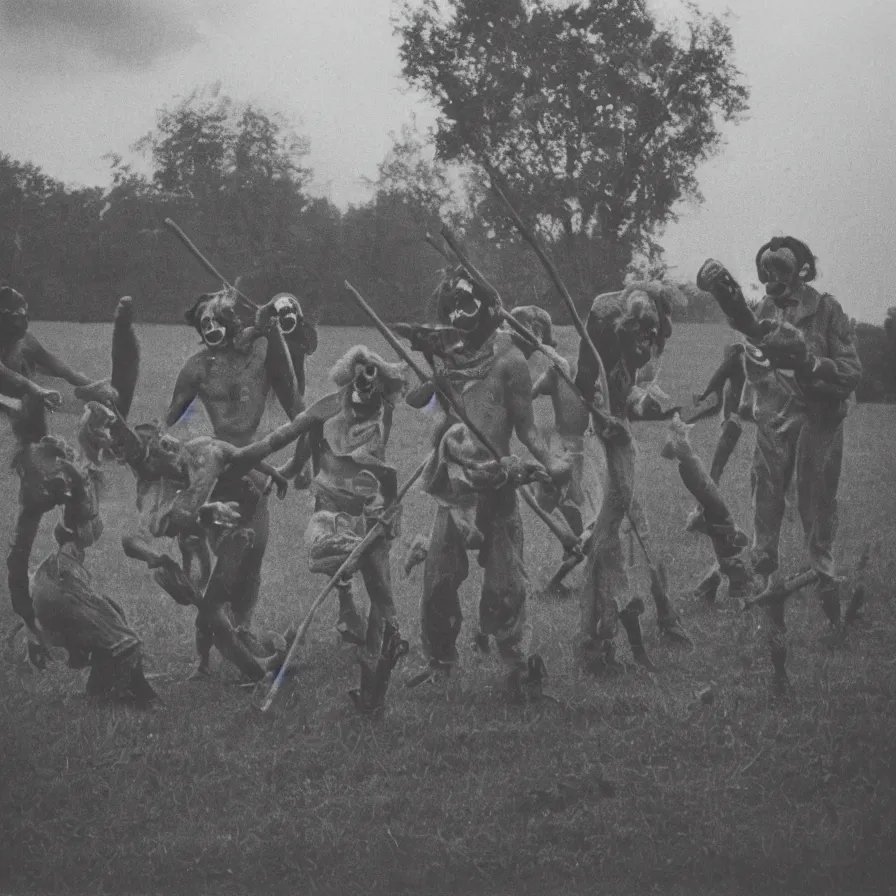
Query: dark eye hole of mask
365, 379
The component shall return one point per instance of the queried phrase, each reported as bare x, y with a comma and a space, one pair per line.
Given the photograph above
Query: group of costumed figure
791, 373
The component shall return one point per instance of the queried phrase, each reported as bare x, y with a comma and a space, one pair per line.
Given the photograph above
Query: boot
143, 694
599, 657
740, 582
631, 622
375, 676
667, 619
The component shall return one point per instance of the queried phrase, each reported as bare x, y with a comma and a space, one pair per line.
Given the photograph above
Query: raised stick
204, 261
532, 240
610, 429
456, 407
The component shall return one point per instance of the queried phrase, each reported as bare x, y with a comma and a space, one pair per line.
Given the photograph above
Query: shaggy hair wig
392, 375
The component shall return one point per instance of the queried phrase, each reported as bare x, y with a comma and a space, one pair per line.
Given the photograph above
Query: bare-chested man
235, 371
232, 376
475, 494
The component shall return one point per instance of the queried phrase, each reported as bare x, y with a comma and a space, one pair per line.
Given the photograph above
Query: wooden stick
532, 240
204, 261
358, 551
777, 593
610, 428
457, 408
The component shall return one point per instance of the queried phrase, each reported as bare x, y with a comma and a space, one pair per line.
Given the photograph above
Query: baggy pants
505, 586
813, 451
89, 625
241, 591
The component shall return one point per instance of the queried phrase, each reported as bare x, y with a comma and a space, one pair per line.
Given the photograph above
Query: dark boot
854, 610
141, 690
631, 622
375, 675
667, 619
599, 657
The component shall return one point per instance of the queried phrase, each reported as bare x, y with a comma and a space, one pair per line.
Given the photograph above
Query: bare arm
518, 394
185, 391
15, 385
48, 362
249, 456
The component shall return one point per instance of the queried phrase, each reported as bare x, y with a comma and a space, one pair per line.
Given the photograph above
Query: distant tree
594, 114
240, 170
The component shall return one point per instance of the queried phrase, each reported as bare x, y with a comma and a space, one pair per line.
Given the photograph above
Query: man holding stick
353, 486
474, 477
232, 376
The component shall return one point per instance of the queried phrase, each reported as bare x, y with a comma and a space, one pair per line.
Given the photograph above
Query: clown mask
214, 317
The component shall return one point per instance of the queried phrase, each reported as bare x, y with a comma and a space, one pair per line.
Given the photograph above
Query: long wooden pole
194, 251
375, 532
456, 407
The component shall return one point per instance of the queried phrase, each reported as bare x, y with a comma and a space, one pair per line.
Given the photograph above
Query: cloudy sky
81, 77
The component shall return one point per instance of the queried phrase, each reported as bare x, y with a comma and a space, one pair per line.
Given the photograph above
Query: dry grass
624, 786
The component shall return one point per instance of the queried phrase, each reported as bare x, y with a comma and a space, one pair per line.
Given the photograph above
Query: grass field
627, 786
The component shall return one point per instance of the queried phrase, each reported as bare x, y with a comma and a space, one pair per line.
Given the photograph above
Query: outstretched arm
185, 391
47, 361
17, 386
244, 459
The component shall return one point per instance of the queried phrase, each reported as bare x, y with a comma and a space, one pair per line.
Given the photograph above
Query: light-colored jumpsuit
800, 431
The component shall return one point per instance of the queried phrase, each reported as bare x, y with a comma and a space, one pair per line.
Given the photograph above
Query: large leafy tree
594, 114
238, 169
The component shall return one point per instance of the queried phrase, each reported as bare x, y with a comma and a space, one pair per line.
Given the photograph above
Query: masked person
629, 329
62, 607
232, 376
352, 486
475, 493
22, 354
801, 375
300, 336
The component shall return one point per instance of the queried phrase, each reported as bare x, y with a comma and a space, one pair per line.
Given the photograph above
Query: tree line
594, 118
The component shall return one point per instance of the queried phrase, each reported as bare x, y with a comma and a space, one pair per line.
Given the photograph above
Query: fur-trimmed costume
353, 483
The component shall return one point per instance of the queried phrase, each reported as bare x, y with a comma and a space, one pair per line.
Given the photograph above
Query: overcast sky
79, 78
